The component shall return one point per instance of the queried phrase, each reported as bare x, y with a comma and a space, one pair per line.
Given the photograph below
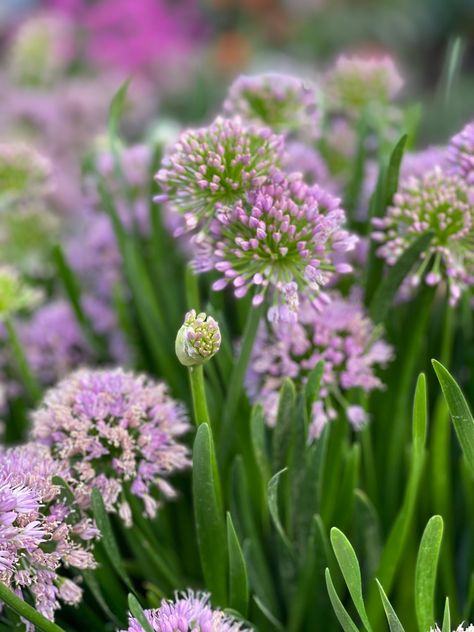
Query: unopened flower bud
198, 339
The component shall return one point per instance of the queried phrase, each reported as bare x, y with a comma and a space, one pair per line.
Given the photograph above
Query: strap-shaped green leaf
459, 410
26, 611
273, 507
238, 580
446, 617
137, 611
342, 615
350, 569
425, 574
393, 621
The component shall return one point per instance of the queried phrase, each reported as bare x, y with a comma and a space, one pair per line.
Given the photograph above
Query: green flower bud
198, 339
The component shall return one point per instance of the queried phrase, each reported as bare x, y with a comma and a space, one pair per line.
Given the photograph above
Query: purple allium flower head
418, 163
461, 153
354, 83
340, 335
118, 431
280, 237
218, 164
40, 534
284, 103
439, 203
189, 612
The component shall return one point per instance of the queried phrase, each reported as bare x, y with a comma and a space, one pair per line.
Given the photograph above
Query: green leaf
269, 615
238, 580
425, 574
209, 516
273, 507
446, 617
312, 386
393, 621
116, 110
350, 569
459, 410
108, 539
282, 430
382, 300
368, 525
257, 430
342, 615
393, 172
90, 580
137, 611
26, 611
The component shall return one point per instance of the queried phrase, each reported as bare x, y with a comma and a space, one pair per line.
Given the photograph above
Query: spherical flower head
418, 163
461, 153
15, 295
442, 205
341, 336
118, 432
24, 173
354, 83
198, 339
42, 49
41, 533
218, 164
278, 240
284, 103
188, 612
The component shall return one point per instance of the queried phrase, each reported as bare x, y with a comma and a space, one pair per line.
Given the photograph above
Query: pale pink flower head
119, 433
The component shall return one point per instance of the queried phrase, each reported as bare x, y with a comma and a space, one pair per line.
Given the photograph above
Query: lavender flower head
284, 103
341, 336
461, 153
279, 238
40, 534
213, 165
443, 205
354, 83
189, 612
15, 295
43, 49
198, 340
118, 431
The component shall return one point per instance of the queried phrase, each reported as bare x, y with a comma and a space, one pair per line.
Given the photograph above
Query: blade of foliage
367, 522
446, 617
269, 615
425, 574
26, 375
393, 171
459, 410
116, 110
137, 611
273, 486
90, 580
342, 615
108, 539
350, 569
209, 516
393, 621
26, 611
282, 430
238, 580
312, 386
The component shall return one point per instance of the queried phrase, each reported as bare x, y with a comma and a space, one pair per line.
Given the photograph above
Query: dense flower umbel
340, 335
461, 153
216, 164
354, 83
118, 432
40, 534
189, 612
437, 203
280, 237
198, 339
284, 103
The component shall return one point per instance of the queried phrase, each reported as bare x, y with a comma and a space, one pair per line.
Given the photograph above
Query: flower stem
30, 382
237, 378
198, 391
26, 611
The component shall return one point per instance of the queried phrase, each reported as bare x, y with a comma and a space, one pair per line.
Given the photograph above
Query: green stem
26, 611
30, 382
198, 391
237, 376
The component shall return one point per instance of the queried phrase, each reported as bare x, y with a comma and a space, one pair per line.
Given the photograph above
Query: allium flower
198, 339
24, 173
307, 161
437, 203
340, 335
40, 534
118, 432
354, 83
189, 612
461, 153
418, 163
15, 295
43, 49
218, 164
284, 103
280, 237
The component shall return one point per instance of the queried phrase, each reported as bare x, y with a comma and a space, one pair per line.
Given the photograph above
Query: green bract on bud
198, 339
14, 294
